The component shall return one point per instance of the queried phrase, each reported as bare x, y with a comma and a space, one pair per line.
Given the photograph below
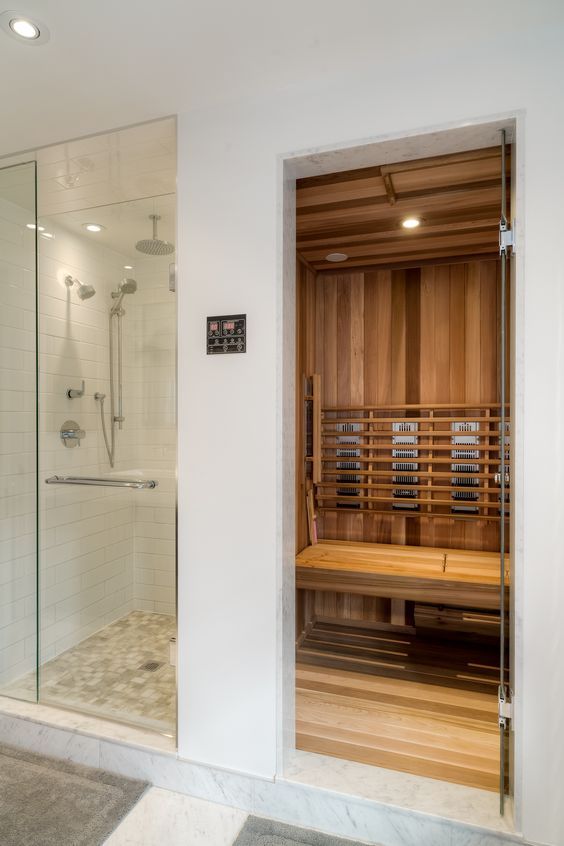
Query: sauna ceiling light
336, 257
410, 222
25, 30
93, 227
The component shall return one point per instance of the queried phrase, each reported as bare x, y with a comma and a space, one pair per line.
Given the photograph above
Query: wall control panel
226, 334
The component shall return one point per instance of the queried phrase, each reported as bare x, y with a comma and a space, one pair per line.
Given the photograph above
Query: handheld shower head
127, 286
154, 246
84, 291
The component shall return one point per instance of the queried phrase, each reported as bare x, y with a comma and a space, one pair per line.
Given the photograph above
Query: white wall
230, 241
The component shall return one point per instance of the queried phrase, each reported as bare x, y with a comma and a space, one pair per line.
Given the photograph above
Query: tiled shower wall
87, 533
17, 443
104, 551
150, 394
112, 551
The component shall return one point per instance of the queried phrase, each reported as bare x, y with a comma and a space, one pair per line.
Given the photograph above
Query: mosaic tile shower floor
102, 675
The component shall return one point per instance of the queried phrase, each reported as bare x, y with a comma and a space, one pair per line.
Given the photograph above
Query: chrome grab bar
139, 484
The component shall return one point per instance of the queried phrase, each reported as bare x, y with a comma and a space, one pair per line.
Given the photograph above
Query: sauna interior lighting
410, 222
336, 257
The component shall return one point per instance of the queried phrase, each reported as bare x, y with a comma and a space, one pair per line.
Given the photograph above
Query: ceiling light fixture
93, 227
128, 267
32, 226
336, 257
410, 222
48, 235
24, 29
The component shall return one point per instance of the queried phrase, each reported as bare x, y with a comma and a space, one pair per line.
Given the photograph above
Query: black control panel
226, 334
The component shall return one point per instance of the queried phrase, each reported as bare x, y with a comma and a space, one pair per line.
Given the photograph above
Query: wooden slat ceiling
359, 212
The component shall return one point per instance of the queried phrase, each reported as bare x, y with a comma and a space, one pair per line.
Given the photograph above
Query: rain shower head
84, 291
154, 246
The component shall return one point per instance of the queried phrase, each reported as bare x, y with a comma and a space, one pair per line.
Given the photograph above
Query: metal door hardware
71, 433
506, 238
73, 393
505, 708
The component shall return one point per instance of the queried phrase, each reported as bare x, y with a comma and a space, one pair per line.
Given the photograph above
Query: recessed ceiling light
93, 227
336, 257
128, 267
32, 226
26, 30
410, 222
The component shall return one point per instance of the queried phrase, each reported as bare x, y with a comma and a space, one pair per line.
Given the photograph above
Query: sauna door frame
467, 135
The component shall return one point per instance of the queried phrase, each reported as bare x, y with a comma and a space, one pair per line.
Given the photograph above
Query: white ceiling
111, 63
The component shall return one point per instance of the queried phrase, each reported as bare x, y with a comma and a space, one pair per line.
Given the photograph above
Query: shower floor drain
151, 666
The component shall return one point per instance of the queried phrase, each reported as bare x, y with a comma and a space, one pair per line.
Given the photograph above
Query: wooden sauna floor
424, 729
453, 660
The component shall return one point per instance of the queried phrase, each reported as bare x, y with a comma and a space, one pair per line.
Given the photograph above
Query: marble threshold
338, 797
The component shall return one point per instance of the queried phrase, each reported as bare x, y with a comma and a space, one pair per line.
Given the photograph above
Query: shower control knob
71, 433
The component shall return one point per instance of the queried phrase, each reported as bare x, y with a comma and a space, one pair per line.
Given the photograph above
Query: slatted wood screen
420, 461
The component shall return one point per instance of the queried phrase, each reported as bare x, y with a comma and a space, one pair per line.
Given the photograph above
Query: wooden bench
454, 577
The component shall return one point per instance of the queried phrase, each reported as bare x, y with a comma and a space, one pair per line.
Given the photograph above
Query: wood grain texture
424, 729
424, 335
455, 578
359, 212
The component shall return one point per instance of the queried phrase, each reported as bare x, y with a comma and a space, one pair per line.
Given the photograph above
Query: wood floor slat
424, 729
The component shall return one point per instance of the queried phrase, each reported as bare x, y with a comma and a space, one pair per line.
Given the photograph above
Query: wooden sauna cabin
398, 462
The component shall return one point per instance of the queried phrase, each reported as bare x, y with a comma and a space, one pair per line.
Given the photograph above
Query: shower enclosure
88, 438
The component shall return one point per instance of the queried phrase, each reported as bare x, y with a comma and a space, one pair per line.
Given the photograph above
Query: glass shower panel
18, 433
107, 370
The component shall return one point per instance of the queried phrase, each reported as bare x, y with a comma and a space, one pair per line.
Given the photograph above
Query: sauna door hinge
505, 707
506, 238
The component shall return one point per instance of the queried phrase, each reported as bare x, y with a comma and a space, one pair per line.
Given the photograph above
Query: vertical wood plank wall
422, 335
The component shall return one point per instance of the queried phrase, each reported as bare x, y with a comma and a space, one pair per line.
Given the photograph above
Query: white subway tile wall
17, 427
104, 552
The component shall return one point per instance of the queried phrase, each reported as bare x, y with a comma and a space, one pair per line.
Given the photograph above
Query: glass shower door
18, 433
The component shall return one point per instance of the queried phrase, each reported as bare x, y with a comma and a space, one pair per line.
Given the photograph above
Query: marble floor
163, 817
104, 675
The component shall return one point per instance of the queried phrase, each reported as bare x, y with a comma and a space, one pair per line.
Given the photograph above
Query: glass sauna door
18, 433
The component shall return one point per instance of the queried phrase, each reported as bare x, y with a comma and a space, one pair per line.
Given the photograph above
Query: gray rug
260, 832
47, 802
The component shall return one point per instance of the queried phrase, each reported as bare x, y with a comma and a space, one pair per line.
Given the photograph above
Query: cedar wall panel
422, 335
